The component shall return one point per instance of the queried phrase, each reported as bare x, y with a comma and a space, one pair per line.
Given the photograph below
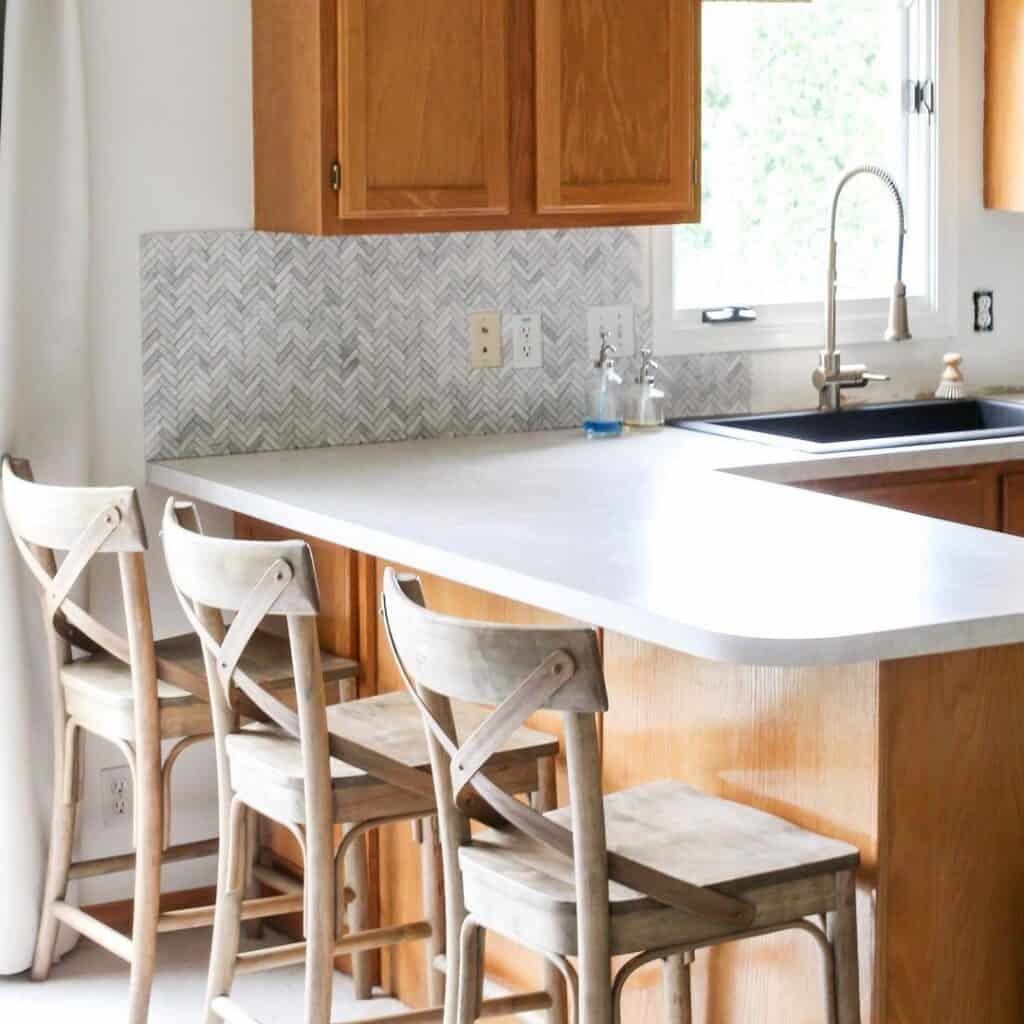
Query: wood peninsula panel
1004, 104
952, 846
800, 743
404, 968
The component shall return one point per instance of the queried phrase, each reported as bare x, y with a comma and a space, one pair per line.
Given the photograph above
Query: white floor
89, 986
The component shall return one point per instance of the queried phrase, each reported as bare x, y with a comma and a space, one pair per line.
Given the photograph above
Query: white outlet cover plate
620, 324
485, 342
116, 793
526, 336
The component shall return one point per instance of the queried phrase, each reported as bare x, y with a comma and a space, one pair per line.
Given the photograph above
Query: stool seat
685, 833
266, 765
98, 688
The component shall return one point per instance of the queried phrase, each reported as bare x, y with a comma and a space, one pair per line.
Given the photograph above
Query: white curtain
44, 401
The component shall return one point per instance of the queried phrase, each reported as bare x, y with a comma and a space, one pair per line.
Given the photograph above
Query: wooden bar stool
658, 871
133, 693
363, 764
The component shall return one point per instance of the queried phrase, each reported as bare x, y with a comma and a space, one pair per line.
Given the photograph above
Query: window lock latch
921, 97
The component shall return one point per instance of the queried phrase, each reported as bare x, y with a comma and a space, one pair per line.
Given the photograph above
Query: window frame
933, 317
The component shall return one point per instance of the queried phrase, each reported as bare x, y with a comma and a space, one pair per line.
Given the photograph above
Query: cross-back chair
656, 872
364, 764
132, 692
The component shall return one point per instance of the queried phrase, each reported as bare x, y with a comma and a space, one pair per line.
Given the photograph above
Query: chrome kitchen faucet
829, 377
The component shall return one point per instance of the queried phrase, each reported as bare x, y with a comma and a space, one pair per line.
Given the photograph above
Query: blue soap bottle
603, 398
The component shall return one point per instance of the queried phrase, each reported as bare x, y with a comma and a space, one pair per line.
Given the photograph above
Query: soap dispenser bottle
603, 415
645, 401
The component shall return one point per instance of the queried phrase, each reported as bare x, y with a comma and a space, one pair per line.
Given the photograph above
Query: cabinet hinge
336, 176
921, 97
696, 171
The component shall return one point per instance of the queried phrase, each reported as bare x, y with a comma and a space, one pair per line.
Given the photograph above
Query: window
794, 95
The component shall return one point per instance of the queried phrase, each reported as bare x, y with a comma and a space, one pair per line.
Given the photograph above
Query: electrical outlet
116, 791
527, 335
485, 341
984, 312
617, 323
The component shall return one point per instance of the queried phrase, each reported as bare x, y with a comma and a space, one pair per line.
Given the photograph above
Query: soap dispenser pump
645, 401
603, 415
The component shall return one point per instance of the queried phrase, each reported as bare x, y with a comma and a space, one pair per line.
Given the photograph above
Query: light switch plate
619, 325
526, 332
485, 341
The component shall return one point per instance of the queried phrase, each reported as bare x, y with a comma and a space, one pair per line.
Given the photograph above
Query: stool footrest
505, 1006
126, 861
200, 917
93, 928
359, 942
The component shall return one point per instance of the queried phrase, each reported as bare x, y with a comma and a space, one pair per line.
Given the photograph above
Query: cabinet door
968, 496
1013, 504
618, 106
424, 122
1004, 104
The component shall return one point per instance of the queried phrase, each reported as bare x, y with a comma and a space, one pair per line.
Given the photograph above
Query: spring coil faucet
829, 377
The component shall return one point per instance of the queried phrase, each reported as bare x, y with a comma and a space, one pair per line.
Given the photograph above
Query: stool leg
471, 975
433, 907
318, 926
67, 786
357, 915
253, 850
149, 847
546, 799
227, 914
678, 999
843, 936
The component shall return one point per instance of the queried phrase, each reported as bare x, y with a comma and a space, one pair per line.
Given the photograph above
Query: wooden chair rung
503, 1006
92, 928
252, 910
126, 861
295, 952
230, 1012
274, 879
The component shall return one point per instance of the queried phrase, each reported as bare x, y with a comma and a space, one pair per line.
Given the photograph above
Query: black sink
872, 426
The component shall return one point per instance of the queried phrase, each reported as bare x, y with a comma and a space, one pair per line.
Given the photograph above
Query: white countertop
674, 537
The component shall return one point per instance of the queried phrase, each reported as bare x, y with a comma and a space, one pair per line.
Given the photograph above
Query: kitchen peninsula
850, 667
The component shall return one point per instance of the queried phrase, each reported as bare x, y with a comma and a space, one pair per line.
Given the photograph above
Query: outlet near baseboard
116, 794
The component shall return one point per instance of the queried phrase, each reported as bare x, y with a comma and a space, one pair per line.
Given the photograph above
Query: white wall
168, 92
170, 134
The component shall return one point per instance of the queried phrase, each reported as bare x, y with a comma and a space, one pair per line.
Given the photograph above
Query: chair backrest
82, 523
521, 669
253, 579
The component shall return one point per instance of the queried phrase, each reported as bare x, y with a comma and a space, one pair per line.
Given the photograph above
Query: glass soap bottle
603, 398
645, 401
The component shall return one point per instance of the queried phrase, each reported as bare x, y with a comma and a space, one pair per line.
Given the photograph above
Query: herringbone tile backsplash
259, 342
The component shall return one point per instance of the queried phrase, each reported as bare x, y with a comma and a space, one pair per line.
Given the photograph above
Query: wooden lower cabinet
1013, 503
970, 496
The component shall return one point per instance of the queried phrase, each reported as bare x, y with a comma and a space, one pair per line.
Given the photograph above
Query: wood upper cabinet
1004, 105
617, 105
423, 107
451, 115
